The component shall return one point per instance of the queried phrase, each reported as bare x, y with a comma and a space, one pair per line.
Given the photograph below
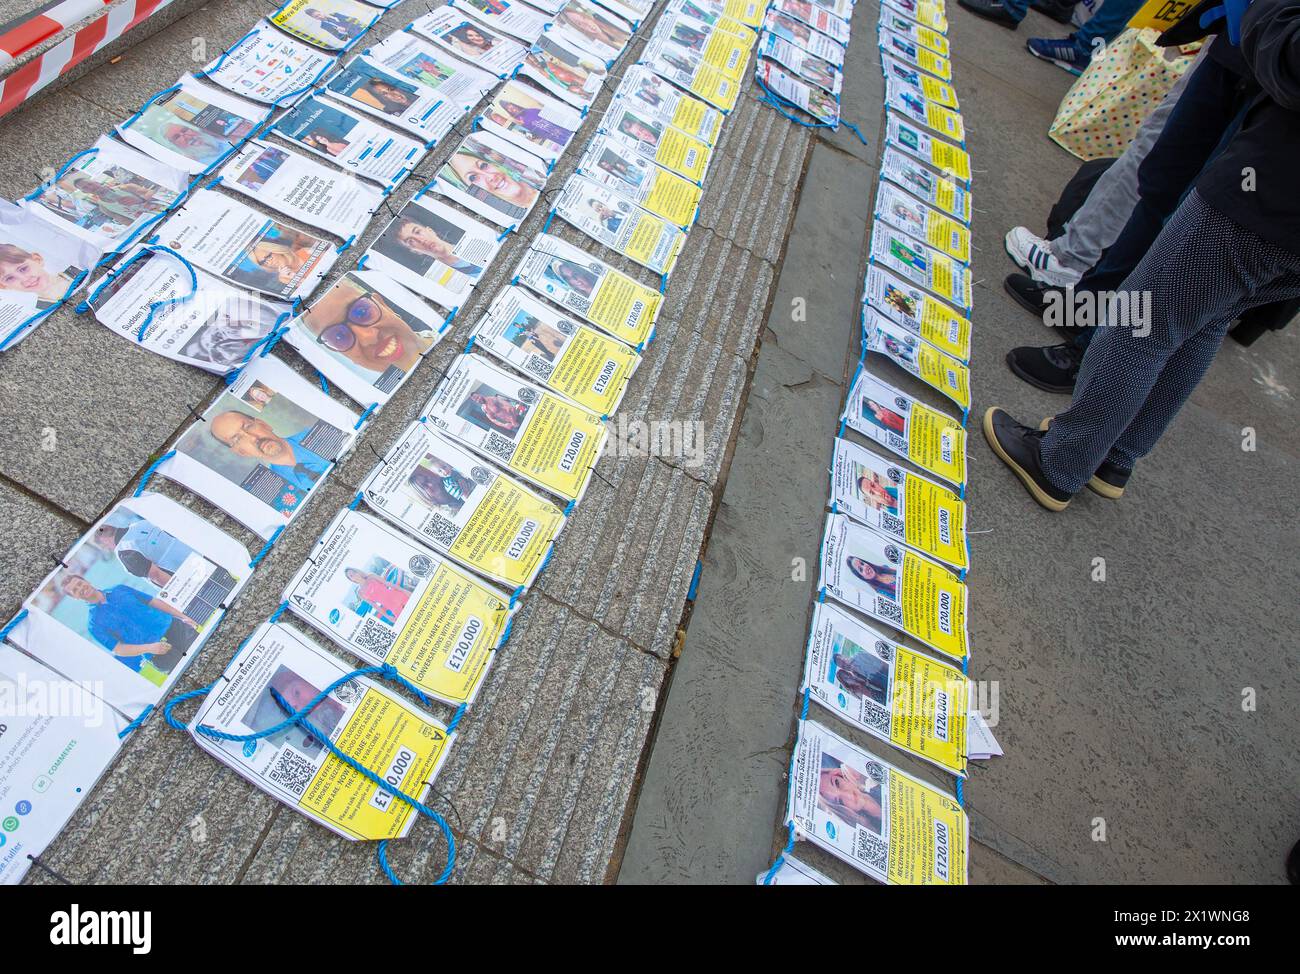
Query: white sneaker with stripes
1034, 254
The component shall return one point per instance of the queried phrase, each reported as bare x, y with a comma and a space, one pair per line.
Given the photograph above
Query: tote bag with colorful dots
1101, 112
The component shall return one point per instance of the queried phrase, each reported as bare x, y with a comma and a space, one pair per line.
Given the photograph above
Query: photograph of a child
493, 411
438, 485
38, 260
296, 693
137, 592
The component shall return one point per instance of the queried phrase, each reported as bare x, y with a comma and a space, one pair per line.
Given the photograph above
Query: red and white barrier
31, 77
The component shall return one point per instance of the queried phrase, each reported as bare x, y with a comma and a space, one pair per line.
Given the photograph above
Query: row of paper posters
461, 513
894, 552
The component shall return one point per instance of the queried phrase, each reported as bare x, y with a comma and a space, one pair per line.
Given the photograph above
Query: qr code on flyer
440, 530
374, 637
292, 771
498, 446
870, 849
889, 610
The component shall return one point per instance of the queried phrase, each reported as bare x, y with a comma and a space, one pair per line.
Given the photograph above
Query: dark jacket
1254, 180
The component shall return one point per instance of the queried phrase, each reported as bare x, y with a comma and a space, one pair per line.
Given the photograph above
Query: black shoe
991, 10
1017, 446
1029, 294
1109, 480
1052, 369
1059, 10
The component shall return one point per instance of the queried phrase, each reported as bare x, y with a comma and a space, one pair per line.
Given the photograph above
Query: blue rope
266, 548
299, 718
780, 859
12, 624
59, 175
144, 715
149, 471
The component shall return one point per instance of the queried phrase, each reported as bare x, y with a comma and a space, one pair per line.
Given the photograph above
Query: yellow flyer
871, 573
748, 12
451, 500
645, 103
542, 437
331, 24
685, 68
928, 87
577, 361
365, 720
387, 599
909, 49
920, 313
886, 415
923, 221
591, 289
891, 826
617, 221
615, 162
727, 54
902, 505
905, 698
937, 369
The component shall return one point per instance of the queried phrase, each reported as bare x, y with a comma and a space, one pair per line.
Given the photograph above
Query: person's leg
1008, 13
1106, 24
1097, 224
1201, 273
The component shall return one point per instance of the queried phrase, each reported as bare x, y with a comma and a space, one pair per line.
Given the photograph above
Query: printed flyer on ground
493, 178
717, 48
902, 697
269, 67
241, 245
910, 215
434, 250
633, 11
362, 718
564, 71
931, 89
792, 872
869, 572
590, 28
261, 448
893, 827
453, 501
925, 12
899, 504
906, 100
192, 126
516, 19
936, 369
932, 440
812, 69
617, 222
40, 265
575, 360
331, 24
366, 334
921, 264
199, 320
350, 141
908, 28
747, 12
457, 32
683, 68
416, 59
920, 313
524, 116
536, 434
109, 194
58, 739
385, 598
650, 99
943, 156
801, 35
591, 289
913, 52
720, 16
813, 100
658, 141
133, 601
615, 162
815, 16
409, 105
302, 188
944, 194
